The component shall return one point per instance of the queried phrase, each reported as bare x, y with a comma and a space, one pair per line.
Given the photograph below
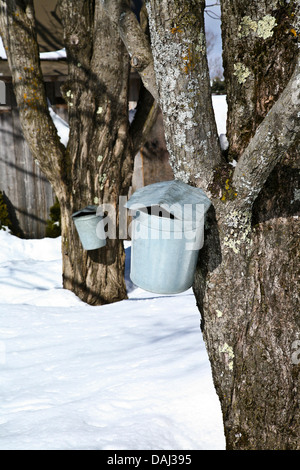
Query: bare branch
212, 15
279, 132
136, 42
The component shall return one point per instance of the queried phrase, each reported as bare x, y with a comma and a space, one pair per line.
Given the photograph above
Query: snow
2, 50
220, 109
53, 55
130, 375
61, 125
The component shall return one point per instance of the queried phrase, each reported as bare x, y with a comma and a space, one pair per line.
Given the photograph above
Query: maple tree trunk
96, 166
99, 150
259, 53
248, 296
257, 378
247, 279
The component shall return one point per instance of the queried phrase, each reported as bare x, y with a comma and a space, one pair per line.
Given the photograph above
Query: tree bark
136, 41
250, 321
247, 279
261, 411
182, 77
259, 54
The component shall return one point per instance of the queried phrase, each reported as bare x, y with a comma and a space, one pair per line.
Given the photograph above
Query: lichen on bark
180, 63
262, 28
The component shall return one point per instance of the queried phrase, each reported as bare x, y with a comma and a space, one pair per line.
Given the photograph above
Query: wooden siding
27, 193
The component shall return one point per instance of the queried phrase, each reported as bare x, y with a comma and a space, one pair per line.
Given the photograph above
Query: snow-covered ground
132, 375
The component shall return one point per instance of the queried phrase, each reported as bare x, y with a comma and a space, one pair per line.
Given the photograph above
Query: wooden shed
27, 193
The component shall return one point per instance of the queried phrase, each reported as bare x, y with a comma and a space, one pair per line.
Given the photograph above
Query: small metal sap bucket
90, 228
167, 234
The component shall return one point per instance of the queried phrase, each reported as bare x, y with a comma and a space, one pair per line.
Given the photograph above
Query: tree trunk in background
100, 165
96, 166
247, 279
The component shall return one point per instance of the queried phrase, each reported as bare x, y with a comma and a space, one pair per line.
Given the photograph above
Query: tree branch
135, 40
268, 147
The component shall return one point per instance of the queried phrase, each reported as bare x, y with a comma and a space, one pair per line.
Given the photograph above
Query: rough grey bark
259, 50
247, 280
180, 62
264, 137
278, 132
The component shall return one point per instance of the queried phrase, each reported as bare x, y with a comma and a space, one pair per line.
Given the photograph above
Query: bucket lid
176, 197
88, 210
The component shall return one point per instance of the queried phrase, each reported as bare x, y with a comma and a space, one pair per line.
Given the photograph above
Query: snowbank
132, 375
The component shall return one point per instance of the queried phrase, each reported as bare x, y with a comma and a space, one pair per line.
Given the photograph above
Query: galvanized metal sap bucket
90, 228
167, 234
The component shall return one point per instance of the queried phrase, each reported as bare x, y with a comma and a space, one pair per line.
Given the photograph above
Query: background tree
96, 166
247, 281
